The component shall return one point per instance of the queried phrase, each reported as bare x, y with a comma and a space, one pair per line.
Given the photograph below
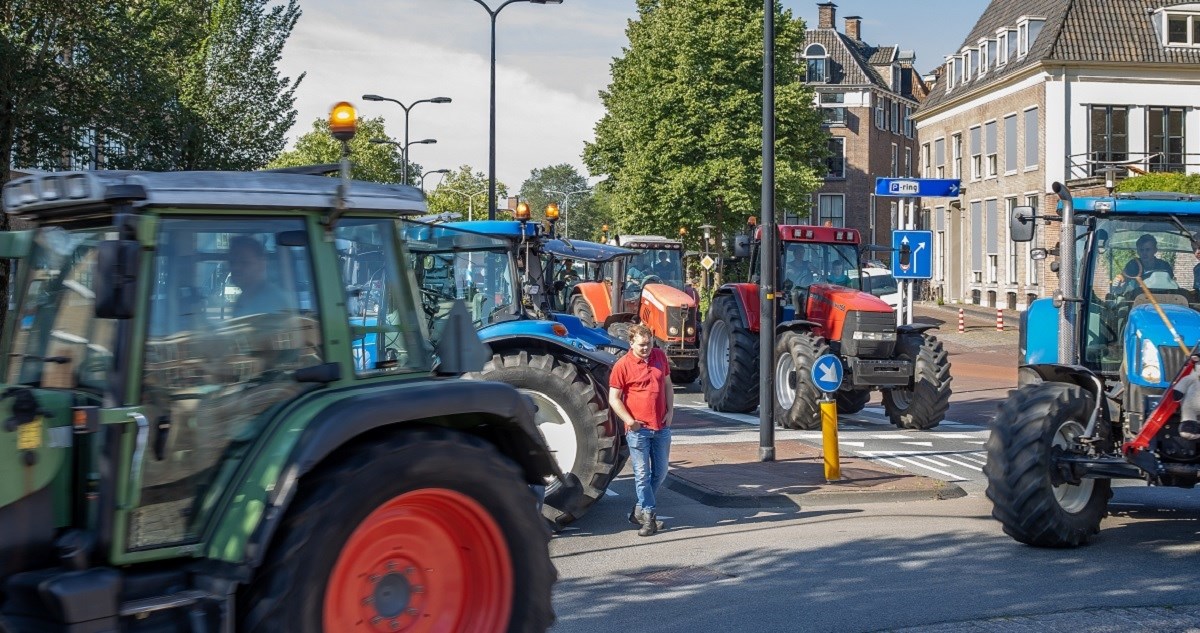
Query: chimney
827, 15
854, 27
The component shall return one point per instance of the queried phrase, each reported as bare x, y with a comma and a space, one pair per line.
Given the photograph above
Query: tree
465, 192
680, 141
550, 184
1176, 183
368, 161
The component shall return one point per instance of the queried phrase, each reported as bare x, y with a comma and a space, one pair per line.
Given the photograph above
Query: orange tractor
821, 309
651, 292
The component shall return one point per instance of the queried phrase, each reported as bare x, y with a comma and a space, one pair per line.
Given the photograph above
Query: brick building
1045, 91
867, 94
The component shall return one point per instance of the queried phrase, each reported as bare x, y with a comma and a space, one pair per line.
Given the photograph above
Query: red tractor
821, 309
653, 293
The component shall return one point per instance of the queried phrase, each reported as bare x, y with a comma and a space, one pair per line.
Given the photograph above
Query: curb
944, 490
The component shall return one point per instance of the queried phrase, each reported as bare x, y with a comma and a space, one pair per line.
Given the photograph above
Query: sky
551, 63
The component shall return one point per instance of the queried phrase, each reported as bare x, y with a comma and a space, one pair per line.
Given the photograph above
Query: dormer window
1012, 45
968, 63
1001, 48
983, 58
950, 73
1181, 25
993, 54
817, 64
1027, 31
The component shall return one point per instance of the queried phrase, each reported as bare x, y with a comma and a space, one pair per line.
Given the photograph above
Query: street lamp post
567, 205
404, 154
432, 171
470, 199
492, 13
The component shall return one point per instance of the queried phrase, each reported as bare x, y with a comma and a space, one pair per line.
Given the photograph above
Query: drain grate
681, 576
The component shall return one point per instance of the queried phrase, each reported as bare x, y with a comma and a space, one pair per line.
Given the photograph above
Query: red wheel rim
427, 560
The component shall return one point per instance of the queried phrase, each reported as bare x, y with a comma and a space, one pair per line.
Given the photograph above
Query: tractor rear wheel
923, 405
418, 524
583, 311
797, 399
853, 401
729, 359
1029, 496
574, 421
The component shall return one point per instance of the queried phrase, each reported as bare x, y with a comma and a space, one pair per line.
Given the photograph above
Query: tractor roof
648, 241
1141, 203
500, 228
78, 195
819, 234
584, 251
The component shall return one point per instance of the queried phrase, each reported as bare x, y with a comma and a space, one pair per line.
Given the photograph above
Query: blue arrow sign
827, 373
918, 246
918, 187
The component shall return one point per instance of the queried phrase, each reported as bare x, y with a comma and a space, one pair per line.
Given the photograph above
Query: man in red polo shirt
640, 393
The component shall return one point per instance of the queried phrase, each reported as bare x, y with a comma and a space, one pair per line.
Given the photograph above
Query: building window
816, 64
976, 244
984, 50
834, 116
950, 74
960, 71
908, 124
991, 226
1012, 45
966, 58
831, 207
1031, 139
976, 153
908, 162
926, 166
1027, 33
895, 161
956, 152
895, 117
1032, 273
989, 139
939, 246
1002, 48
879, 112
1010, 144
837, 158
993, 53
1183, 29
1108, 137
1010, 247
939, 157
1166, 147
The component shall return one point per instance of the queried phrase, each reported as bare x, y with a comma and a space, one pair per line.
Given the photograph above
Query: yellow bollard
829, 437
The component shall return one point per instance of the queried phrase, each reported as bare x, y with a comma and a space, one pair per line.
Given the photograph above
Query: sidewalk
729, 475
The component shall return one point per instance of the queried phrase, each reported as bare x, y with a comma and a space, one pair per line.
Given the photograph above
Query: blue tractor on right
1107, 387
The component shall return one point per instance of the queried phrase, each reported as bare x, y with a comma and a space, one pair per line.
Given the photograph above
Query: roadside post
826, 375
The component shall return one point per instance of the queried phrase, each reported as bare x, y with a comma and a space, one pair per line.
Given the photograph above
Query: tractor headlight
673, 331
1151, 362
691, 331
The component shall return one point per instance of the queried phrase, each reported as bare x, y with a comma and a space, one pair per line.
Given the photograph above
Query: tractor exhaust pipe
1066, 296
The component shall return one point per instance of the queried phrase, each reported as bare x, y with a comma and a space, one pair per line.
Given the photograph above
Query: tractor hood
845, 299
1151, 346
663, 296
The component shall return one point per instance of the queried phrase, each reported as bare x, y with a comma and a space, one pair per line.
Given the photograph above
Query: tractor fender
796, 325
597, 296
620, 317
915, 328
1078, 375
491, 410
746, 297
595, 363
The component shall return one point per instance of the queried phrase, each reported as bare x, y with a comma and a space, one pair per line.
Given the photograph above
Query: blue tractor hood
1145, 324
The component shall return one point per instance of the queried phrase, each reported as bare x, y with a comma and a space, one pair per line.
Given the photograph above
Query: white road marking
858, 444
929, 444
891, 436
914, 462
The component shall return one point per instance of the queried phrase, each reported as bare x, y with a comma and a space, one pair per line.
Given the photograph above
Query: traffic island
729, 475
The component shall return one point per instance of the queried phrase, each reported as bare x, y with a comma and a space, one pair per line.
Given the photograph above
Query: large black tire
853, 401
797, 399
322, 529
1033, 424
729, 359
685, 376
922, 406
573, 419
581, 309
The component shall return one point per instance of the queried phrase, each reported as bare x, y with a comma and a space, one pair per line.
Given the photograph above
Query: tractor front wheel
574, 421
1030, 496
923, 405
797, 399
729, 359
583, 311
853, 401
427, 530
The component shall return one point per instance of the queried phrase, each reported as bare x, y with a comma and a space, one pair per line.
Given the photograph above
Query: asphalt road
929, 567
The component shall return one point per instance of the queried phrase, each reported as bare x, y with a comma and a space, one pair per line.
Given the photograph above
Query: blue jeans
650, 454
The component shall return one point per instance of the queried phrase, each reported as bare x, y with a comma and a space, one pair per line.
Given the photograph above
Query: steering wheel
651, 279
430, 302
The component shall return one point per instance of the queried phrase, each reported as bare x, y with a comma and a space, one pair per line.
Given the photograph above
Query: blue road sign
827, 373
912, 254
918, 187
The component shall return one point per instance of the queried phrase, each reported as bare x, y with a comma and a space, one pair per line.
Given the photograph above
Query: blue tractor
1107, 385
553, 358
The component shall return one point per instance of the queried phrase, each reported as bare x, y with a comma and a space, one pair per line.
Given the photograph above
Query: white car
881, 283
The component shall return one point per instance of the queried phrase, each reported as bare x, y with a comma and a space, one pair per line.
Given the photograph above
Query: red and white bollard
999, 319
962, 326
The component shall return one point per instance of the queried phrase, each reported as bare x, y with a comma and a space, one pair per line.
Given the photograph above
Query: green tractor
194, 438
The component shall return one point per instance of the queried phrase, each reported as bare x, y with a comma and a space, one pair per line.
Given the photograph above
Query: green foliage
548, 184
680, 142
465, 191
368, 161
1178, 183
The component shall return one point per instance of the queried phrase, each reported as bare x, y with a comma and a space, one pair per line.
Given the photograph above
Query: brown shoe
650, 525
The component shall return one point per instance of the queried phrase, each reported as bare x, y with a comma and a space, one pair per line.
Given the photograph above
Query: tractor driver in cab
797, 273
1142, 266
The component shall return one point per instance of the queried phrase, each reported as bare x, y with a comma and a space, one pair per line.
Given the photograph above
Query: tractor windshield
657, 265
453, 264
1128, 257
57, 341
806, 263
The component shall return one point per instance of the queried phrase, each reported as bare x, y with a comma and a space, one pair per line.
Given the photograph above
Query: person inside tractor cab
837, 273
248, 271
797, 273
663, 267
1145, 264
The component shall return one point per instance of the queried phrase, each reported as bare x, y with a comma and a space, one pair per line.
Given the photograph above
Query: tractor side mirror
1037, 254
1021, 224
741, 246
116, 278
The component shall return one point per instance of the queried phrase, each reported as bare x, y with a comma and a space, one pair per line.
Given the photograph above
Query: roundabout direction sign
826, 373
